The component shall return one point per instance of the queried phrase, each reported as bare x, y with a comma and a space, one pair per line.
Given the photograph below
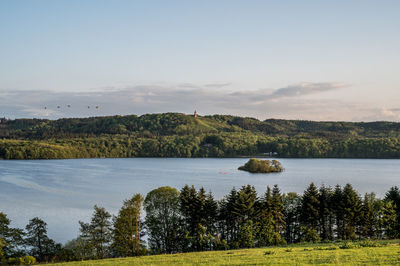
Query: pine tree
388, 220
12, 238
199, 220
394, 195
98, 232
245, 205
43, 248
228, 219
277, 214
245, 208
292, 204
352, 212
370, 216
246, 234
338, 210
193, 210
325, 213
265, 222
189, 212
211, 212
309, 213
270, 218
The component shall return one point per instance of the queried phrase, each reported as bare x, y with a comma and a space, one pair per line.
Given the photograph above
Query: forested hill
180, 135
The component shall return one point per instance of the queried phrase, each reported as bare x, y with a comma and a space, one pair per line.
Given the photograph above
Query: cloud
291, 102
218, 85
307, 88
382, 114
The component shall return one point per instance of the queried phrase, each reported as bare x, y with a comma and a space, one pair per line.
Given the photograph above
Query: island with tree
262, 166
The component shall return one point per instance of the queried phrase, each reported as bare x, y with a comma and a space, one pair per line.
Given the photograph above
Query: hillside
180, 135
386, 253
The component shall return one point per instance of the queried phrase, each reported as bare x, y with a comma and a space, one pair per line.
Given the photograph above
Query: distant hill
180, 135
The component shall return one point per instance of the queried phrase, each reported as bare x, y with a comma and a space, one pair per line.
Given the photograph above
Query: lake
62, 192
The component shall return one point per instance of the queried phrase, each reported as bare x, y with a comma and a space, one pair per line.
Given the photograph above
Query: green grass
385, 253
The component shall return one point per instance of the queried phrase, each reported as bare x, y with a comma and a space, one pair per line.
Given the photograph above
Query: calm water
62, 192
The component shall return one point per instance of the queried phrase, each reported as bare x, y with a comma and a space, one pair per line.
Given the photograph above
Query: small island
262, 166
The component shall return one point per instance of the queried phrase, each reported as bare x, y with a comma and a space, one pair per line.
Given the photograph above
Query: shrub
348, 245
309, 235
369, 243
27, 260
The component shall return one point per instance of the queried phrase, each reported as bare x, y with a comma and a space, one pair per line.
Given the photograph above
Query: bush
369, 243
27, 260
309, 235
348, 245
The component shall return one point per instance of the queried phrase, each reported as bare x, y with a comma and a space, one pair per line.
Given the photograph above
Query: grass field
357, 253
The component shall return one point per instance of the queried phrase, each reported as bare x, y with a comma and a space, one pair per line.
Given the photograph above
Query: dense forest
192, 220
180, 135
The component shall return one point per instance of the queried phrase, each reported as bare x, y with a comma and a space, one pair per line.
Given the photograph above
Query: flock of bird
69, 106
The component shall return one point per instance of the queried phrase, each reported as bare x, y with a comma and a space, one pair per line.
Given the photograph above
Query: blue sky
326, 60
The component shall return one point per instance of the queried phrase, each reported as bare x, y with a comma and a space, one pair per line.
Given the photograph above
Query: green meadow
350, 253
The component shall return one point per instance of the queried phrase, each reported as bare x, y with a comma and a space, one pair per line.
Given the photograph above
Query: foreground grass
385, 253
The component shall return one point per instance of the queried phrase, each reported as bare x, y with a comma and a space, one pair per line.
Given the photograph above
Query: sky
313, 60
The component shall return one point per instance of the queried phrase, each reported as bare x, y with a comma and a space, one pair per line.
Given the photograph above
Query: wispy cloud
381, 114
291, 102
307, 88
218, 85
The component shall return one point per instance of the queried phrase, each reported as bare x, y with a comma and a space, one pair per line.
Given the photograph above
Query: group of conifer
192, 220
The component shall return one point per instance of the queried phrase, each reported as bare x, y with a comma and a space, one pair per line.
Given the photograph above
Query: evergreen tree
246, 234
370, 216
309, 213
394, 195
351, 212
210, 223
12, 238
98, 232
245, 208
388, 220
265, 221
189, 212
338, 211
277, 209
291, 207
325, 213
228, 219
42, 247
277, 214
245, 205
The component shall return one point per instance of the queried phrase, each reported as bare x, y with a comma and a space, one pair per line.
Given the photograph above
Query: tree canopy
180, 135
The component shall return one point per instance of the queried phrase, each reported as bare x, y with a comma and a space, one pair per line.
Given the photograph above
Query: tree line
214, 145
192, 220
179, 135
